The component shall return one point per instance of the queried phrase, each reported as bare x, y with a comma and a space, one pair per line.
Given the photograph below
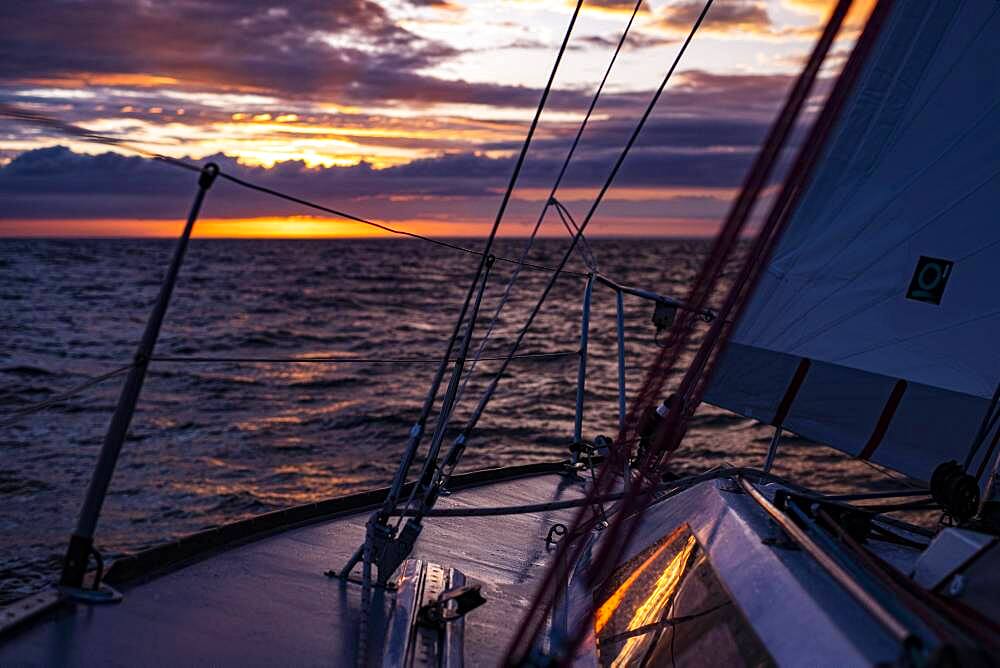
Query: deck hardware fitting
103, 594
728, 485
451, 605
556, 532
957, 585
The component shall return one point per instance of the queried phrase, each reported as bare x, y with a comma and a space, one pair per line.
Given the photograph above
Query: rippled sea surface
219, 441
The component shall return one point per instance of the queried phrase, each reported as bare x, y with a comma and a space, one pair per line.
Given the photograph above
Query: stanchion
81, 543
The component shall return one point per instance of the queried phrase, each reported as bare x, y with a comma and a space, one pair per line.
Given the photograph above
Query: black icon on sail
929, 279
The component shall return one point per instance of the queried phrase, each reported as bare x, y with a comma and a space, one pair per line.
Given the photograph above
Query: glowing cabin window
666, 607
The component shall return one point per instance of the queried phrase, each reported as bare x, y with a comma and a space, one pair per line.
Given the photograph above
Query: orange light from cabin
608, 608
651, 609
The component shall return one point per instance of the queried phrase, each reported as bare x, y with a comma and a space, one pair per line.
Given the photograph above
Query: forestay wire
458, 446
427, 472
587, 253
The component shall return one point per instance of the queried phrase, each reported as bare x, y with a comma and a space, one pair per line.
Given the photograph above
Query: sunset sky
409, 112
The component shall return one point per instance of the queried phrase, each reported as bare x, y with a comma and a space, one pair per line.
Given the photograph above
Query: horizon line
387, 237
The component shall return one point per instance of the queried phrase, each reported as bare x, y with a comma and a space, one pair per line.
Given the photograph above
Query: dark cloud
636, 40
702, 135
348, 51
670, 153
703, 107
745, 15
307, 47
304, 52
56, 183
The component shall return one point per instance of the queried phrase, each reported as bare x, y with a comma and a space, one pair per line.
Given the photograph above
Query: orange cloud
85, 79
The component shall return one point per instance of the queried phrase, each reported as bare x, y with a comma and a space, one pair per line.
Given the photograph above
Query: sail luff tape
791, 391
891, 404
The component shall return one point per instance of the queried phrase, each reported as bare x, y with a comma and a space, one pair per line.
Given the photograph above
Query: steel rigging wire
454, 455
419, 427
587, 253
377, 525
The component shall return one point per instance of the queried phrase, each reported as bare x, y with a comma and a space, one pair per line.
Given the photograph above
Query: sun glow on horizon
310, 227
278, 227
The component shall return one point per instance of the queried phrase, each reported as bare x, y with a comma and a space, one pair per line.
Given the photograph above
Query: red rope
675, 423
795, 187
619, 534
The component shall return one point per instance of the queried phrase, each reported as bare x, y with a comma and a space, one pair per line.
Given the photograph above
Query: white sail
885, 289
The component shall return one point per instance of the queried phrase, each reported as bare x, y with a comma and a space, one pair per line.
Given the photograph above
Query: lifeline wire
358, 219
346, 360
15, 416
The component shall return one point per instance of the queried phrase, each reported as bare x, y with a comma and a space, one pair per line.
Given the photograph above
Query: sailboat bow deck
263, 599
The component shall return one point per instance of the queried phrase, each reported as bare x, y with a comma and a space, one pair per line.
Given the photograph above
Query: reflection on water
217, 442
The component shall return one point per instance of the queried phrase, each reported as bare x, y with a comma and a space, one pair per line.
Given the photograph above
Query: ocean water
216, 442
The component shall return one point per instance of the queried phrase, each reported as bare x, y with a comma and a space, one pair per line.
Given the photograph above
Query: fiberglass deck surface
268, 603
